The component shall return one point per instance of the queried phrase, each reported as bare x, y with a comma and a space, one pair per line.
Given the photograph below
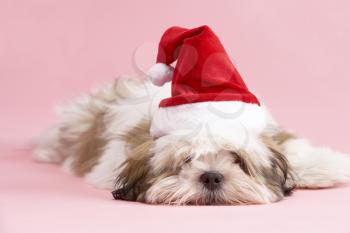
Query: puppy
206, 139
105, 137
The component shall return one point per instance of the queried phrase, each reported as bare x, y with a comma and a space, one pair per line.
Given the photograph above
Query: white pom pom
160, 74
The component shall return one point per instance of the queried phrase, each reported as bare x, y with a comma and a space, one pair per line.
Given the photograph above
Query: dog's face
168, 171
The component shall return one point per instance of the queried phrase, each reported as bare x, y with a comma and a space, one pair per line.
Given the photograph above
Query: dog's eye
188, 159
237, 158
240, 162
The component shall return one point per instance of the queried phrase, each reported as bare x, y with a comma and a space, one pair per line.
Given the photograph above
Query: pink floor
294, 54
40, 198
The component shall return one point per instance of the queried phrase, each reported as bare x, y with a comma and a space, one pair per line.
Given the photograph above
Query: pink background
294, 54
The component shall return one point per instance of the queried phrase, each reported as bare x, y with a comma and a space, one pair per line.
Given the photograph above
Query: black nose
211, 180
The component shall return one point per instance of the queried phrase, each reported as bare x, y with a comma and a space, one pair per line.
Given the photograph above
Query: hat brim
218, 118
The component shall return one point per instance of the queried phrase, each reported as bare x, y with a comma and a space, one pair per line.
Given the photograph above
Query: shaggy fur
105, 137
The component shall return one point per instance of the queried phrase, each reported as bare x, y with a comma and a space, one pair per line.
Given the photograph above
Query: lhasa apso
105, 137
209, 143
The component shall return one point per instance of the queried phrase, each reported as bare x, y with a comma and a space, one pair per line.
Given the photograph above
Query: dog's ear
314, 167
132, 181
281, 177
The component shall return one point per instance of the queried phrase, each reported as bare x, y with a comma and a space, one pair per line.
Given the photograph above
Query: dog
104, 136
203, 140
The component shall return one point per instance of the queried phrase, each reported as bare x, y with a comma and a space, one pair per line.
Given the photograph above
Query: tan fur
246, 165
132, 181
282, 136
136, 176
137, 135
281, 167
90, 146
173, 157
167, 170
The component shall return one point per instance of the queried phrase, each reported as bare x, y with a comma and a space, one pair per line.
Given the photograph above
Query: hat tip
160, 73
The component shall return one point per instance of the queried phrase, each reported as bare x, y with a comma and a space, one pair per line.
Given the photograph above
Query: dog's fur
104, 136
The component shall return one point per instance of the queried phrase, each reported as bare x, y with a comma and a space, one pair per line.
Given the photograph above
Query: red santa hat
207, 91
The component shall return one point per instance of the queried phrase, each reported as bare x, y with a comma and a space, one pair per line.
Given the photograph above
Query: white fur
201, 145
185, 187
316, 167
50, 147
103, 175
128, 101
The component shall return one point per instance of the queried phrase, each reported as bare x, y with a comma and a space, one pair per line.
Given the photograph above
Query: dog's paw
316, 167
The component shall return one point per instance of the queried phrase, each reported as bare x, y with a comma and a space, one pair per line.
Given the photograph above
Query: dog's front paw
316, 167
124, 194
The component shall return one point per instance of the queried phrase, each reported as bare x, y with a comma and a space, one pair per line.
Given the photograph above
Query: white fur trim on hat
220, 118
160, 74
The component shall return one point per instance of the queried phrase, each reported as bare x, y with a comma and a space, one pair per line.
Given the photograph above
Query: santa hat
207, 90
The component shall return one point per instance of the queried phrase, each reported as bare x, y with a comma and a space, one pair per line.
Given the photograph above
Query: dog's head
174, 170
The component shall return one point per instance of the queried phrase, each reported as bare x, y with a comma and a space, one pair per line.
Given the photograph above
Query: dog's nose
211, 180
